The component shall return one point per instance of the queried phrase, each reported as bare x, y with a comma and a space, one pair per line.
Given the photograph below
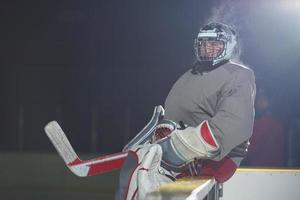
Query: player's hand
163, 130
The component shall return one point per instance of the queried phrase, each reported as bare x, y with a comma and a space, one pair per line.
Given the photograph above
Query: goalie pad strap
221, 170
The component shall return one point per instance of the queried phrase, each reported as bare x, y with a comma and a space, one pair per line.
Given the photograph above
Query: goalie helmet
216, 42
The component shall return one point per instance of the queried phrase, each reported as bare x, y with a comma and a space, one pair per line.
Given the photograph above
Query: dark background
100, 67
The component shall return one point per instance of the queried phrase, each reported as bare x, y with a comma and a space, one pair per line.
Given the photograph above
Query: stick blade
60, 142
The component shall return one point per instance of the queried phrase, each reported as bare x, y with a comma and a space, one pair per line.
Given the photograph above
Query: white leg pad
198, 142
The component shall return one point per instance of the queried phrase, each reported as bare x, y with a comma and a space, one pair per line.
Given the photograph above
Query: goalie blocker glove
183, 146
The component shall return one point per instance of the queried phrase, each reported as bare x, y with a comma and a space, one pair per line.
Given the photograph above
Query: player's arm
232, 124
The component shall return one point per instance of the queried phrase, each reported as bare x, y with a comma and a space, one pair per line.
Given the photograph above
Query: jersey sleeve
233, 122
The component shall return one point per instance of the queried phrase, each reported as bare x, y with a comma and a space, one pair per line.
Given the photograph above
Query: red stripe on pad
206, 134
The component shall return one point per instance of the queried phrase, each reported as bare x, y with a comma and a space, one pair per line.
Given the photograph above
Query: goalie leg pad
196, 142
141, 173
183, 146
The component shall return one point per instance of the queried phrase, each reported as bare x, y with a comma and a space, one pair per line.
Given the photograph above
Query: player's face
210, 49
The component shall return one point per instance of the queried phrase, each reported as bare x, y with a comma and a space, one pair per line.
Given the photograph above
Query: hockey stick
101, 164
146, 133
79, 167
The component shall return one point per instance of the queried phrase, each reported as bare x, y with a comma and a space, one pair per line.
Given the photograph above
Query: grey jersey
224, 96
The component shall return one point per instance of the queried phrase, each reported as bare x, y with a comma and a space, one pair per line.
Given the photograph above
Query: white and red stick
79, 167
101, 164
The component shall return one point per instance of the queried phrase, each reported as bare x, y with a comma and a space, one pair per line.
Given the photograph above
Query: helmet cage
216, 54
215, 34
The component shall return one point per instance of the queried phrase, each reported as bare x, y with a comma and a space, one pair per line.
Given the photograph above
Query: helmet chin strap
206, 66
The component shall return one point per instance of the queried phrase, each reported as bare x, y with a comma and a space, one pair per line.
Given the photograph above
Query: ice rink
45, 176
